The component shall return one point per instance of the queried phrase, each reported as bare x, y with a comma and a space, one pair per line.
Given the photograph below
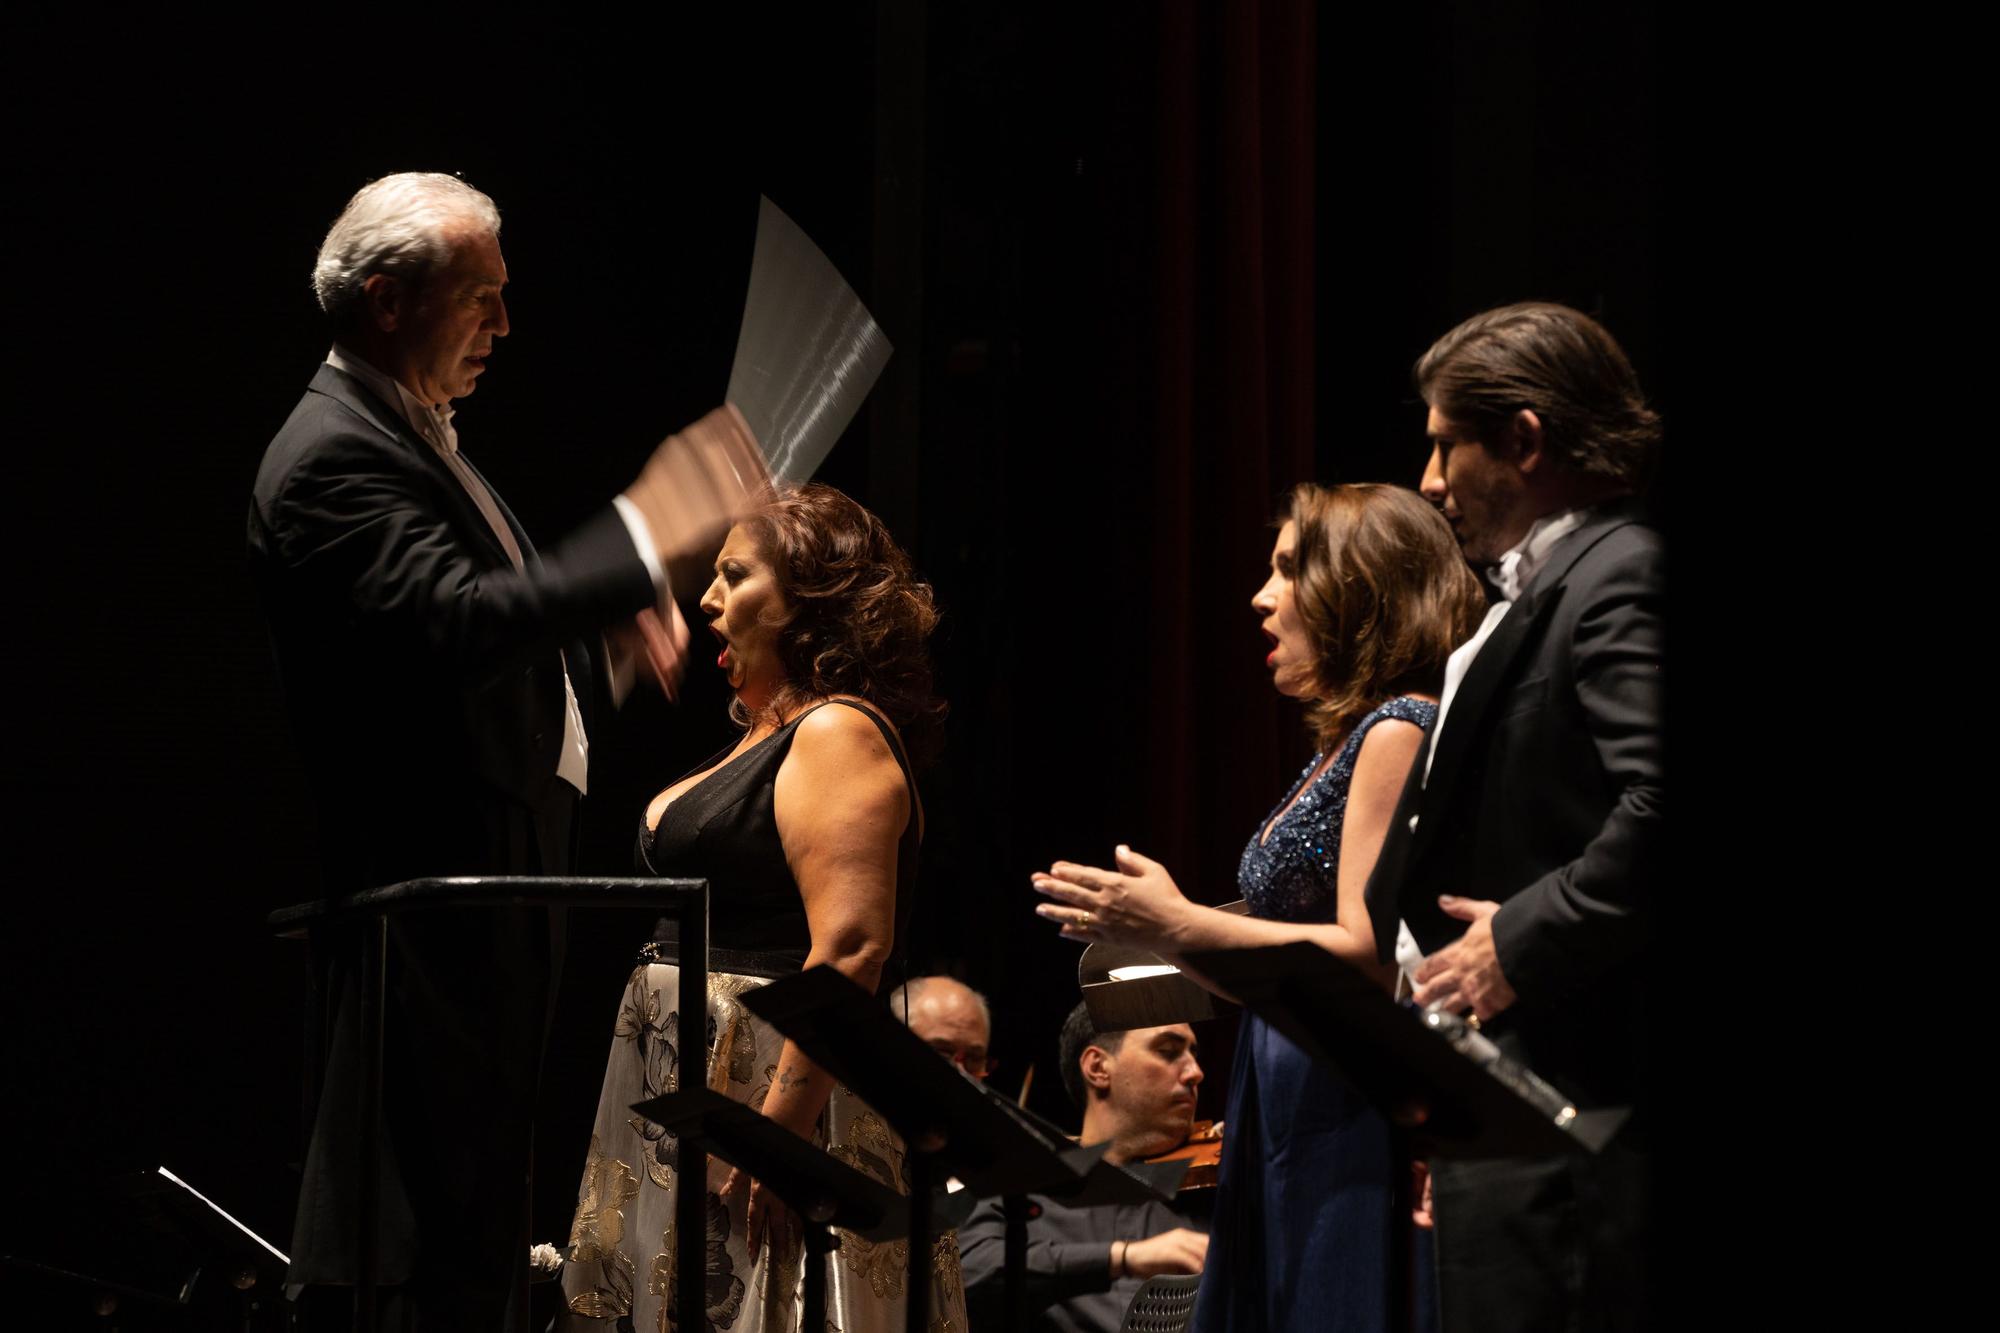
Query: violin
1202, 1151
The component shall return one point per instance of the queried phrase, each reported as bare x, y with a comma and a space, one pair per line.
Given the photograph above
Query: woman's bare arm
841, 805
1140, 904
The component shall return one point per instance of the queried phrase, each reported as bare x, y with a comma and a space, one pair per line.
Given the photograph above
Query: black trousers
470, 994
1542, 1245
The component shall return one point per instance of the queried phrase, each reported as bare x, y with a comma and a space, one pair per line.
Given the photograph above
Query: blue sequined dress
1300, 1238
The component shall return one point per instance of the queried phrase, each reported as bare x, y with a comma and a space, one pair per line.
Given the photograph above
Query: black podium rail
684, 901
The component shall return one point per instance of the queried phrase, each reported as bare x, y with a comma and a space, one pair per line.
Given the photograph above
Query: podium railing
684, 901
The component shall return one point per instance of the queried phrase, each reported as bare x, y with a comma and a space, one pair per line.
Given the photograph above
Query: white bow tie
441, 433
1506, 576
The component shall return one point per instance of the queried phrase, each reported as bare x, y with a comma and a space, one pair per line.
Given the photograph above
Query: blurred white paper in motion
808, 351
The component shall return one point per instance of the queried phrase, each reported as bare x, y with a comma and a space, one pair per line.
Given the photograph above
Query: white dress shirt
1509, 576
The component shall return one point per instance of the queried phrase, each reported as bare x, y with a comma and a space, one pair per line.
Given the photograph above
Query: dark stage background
1144, 267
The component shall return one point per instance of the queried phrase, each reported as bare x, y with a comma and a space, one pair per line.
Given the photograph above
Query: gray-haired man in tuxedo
439, 678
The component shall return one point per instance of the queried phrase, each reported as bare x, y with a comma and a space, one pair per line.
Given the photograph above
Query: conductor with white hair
438, 670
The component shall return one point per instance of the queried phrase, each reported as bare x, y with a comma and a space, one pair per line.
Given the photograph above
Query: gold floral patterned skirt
622, 1241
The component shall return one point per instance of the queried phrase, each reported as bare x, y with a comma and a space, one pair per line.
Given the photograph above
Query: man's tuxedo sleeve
360, 525
1589, 916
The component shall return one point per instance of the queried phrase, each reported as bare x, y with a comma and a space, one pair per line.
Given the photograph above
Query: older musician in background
1366, 599
1137, 1091
951, 1017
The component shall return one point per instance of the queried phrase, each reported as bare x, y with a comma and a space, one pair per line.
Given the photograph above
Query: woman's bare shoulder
846, 725
840, 769
1388, 750
839, 751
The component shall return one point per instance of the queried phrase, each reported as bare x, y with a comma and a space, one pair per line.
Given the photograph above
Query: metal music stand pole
374, 1003
1014, 1211
691, 1205
822, 1190
922, 1182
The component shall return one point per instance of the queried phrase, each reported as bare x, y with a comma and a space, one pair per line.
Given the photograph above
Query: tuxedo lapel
1493, 667
1468, 706
346, 389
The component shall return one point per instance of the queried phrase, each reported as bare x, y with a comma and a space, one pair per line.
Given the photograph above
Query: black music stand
685, 901
1126, 987
1445, 1089
141, 1246
952, 1125
823, 1190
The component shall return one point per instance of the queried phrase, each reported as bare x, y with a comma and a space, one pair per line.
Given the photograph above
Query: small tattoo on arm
788, 1079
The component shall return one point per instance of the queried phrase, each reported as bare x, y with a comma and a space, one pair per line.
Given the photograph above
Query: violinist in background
1137, 1091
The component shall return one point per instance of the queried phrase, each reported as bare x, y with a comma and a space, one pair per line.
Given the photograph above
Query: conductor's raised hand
1136, 904
660, 643
701, 479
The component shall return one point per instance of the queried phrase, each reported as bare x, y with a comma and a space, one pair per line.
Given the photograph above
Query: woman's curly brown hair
859, 618
1384, 595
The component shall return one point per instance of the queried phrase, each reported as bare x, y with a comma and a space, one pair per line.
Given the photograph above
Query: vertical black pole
1014, 1209
374, 982
819, 1243
919, 1276
691, 1040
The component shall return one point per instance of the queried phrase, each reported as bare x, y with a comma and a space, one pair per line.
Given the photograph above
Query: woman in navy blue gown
1367, 597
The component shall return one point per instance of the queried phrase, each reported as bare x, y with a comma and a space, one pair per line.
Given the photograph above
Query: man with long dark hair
1528, 841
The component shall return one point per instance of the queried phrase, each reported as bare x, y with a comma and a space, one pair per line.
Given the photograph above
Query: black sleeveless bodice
725, 829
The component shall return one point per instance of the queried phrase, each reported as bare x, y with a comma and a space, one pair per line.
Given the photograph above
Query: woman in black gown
1367, 597
807, 830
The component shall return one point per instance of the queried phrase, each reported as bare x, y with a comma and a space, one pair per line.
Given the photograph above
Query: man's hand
1465, 974
660, 644
698, 482
1421, 1212
1176, 1251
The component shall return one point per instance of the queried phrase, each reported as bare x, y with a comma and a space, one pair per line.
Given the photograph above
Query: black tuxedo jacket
424, 678
1545, 794
423, 673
